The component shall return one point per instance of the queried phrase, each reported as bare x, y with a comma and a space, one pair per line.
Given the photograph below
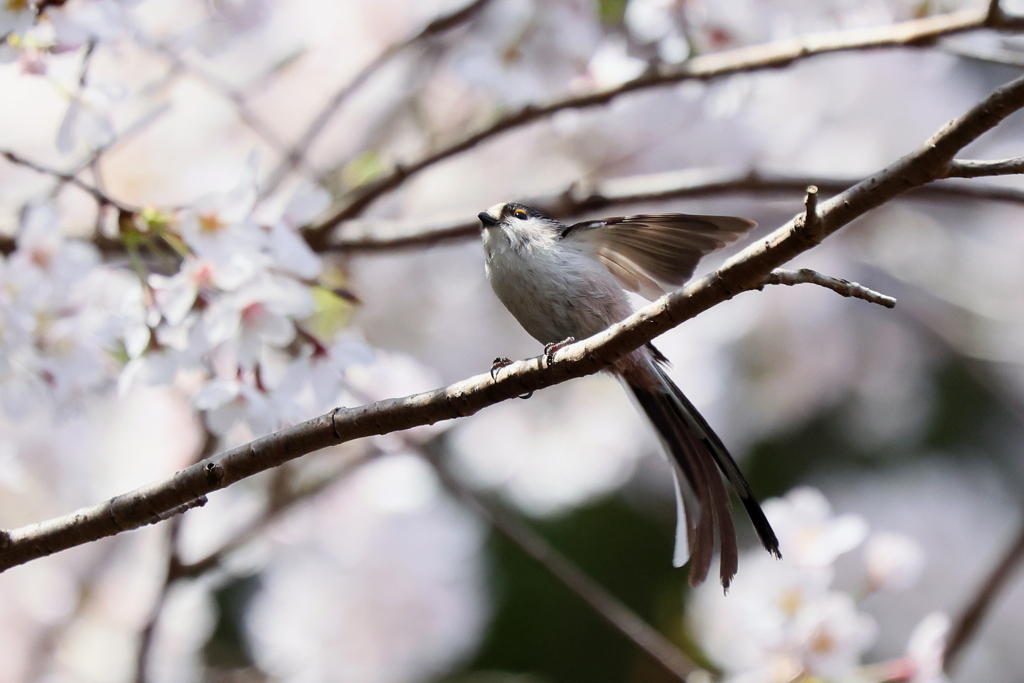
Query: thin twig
970, 619
105, 245
743, 272
246, 115
102, 198
916, 33
83, 71
272, 512
993, 55
837, 285
171, 573
133, 129
607, 606
979, 169
296, 154
994, 12
811, 220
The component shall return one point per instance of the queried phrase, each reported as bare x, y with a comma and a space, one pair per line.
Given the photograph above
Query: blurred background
895, 433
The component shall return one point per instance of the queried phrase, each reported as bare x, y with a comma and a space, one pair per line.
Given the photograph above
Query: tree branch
745, 271
296, 154
246, 115
916, 33
980, 169
607, 606
171, 573
102, 198
277, 506
7, 244
837, 285
970, 619
644, 189
992, 55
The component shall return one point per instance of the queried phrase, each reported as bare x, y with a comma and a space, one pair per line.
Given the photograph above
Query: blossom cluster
62, 313
243, 323
241, 311
787, 621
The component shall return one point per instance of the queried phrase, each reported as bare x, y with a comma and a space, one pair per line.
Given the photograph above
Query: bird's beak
487, 219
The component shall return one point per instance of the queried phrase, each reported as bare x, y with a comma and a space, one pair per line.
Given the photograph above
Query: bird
568, 282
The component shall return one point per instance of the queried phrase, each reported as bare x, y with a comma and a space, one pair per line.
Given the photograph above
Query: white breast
553, 289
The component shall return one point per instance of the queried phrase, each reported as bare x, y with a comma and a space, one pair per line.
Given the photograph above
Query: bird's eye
520, 214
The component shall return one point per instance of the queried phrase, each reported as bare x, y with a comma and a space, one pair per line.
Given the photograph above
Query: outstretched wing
651, 253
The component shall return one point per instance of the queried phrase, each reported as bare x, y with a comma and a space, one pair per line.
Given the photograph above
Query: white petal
178, 298
215, 394
66, 132
136, 338
276, 330
221, 321
306, 204
894, 561
291, 253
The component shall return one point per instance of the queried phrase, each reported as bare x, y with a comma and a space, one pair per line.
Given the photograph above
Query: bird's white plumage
554, 290
567, 281
557, 289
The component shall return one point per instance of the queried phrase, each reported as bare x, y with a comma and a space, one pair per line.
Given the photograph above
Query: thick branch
967, 624
746, 59
837, 285
745, 271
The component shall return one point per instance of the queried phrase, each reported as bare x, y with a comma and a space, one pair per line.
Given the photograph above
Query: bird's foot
499, 363
551, 349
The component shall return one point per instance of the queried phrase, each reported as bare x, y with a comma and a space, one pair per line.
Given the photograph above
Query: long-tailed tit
564, 282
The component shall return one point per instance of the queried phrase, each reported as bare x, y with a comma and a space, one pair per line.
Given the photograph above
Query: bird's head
521, 224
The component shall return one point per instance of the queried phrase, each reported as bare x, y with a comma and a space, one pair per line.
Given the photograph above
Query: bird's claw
499, 363
551, 349
502, 362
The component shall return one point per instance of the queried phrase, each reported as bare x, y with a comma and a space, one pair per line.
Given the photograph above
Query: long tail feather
729, 467
700, 454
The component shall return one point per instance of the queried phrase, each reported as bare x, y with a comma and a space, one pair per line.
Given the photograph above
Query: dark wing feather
649, 253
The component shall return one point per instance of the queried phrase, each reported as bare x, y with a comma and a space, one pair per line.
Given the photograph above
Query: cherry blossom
783, 620
809, 534
926, 649
316, 379
226, 402
894, 561
832, 636
62, 315
16, 16
219, 229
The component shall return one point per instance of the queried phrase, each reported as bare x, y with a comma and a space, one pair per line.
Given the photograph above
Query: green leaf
366, 167
333, 313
